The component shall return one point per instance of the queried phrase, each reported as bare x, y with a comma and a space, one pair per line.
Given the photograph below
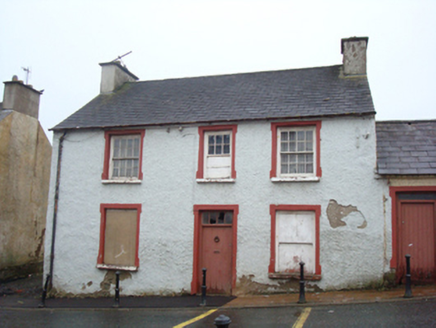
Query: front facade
245, 175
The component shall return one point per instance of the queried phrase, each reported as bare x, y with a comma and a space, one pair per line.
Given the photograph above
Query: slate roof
4, 113
406, 148
309, 92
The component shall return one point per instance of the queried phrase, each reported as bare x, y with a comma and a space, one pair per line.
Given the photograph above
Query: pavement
24, 294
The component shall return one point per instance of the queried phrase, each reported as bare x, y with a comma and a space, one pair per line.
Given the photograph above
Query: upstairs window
217, 153
123, 156
296, 151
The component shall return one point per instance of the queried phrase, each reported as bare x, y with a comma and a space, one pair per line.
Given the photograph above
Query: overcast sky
63, 42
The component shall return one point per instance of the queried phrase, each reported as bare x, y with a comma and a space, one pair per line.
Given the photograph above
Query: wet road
394, 314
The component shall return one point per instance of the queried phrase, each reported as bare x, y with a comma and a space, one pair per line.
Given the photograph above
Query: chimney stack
21, 98
113, 76
354, 59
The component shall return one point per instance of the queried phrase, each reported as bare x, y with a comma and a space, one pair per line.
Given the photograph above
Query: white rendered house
246, 175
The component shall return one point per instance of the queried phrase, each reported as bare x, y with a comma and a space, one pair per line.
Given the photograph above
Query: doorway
416, 226
215, 248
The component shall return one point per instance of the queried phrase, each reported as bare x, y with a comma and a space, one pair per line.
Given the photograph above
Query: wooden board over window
120, 244
119, 233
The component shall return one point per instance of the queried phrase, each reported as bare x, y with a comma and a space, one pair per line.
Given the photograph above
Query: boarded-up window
295, 241
119, 237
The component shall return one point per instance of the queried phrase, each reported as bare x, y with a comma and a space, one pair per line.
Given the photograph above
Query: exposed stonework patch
336, 212
40, 244
247, 286
89, 284
109, 279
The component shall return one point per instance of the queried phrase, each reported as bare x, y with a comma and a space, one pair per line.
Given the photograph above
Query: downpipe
55, 209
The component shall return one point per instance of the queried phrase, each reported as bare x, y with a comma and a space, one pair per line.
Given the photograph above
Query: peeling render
337, 212
109, 279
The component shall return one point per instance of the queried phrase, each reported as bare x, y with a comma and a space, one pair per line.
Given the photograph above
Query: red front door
216, 251
416, 221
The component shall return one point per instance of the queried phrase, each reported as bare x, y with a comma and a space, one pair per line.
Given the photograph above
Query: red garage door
416, 236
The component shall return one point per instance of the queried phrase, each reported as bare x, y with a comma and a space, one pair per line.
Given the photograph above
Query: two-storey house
245, 175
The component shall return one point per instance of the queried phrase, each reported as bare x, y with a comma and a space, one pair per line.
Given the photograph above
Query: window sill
216, 180
297, 179
129, 181
294, 275
117, 267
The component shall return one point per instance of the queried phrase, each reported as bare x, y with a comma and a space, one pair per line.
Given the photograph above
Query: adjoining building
25, 157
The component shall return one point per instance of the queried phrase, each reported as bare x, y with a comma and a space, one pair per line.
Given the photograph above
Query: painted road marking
302, 318
184, 324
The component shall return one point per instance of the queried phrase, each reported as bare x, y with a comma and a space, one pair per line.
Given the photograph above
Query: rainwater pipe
55, 209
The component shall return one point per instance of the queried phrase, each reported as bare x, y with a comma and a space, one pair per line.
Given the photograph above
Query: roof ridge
407, 121
236, 74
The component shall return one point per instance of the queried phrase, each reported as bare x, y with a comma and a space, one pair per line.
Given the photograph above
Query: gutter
221, 121
55, 210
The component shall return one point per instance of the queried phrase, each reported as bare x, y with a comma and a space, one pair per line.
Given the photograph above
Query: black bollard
302, 298
203, 288
44, 292
117, 289
408, 293
222, 321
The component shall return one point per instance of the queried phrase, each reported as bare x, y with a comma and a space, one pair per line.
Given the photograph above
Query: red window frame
201, 132
296, 208
198, 209
107, 149
274, 157
103, 208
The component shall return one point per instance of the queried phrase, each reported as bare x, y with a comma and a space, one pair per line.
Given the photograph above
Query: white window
296, 151
295, 241
124, 159
218, 154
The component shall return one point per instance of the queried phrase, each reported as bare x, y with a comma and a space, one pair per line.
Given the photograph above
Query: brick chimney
354, 59
113, 76
21, 98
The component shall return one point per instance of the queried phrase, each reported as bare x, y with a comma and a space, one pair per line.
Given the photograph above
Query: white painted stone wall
349, 257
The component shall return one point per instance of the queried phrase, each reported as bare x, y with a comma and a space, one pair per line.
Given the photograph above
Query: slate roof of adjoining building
296, 93
406, 147
4, 113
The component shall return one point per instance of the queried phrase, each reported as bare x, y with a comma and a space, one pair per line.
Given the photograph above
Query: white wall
349, 257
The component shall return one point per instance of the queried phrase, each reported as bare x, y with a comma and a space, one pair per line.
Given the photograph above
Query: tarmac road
412, 313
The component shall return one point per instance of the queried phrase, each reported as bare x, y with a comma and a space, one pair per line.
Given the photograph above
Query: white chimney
113, 76
354, 59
